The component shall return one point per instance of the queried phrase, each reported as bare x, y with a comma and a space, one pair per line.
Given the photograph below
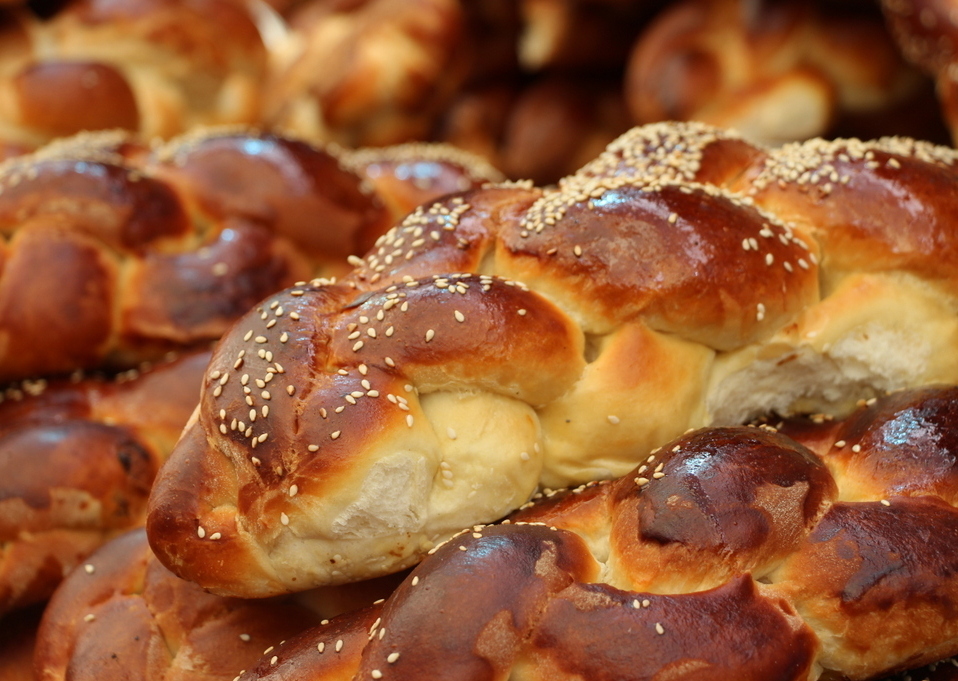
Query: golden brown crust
528, 607
367, 73
407, 175
78, 462
301, 192
778, 72
165, 248
848, 194
877, 578
123, 611
715, 504
151, 66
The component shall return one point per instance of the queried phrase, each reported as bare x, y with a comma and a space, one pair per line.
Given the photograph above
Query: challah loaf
77, 460
154, 67
777, 71
164, 247
671, 285
367, 73
122, 613
924, 31
730, 553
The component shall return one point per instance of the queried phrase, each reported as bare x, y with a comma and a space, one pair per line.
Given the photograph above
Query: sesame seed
358, 346
320, 646
885, 502
89, 569
392, 657
293, 489
451, 433
215, 536
578, 251
335, 434
659, 629
283, 518
248, 335
260, 339
89, 618
409, 420
614, 420
339, 645
244, 637
856, 448
459, 316
273, 659
430, 334
200, 532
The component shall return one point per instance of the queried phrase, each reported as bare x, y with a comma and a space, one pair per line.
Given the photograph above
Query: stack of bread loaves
511, 337
116, 252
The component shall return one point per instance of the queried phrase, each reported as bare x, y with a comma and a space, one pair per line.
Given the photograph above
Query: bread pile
116, 253
538, 87
541, 86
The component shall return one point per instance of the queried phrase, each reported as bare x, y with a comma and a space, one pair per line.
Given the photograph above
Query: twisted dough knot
729, 553
695, 279
361, 420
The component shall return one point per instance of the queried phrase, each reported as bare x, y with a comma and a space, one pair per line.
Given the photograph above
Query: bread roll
368, 73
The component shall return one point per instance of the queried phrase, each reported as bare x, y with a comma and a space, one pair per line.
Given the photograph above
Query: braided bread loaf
77, 460
346, 428
777, 71
155, 67
165, 247
730, 553
924, 31
367, 73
